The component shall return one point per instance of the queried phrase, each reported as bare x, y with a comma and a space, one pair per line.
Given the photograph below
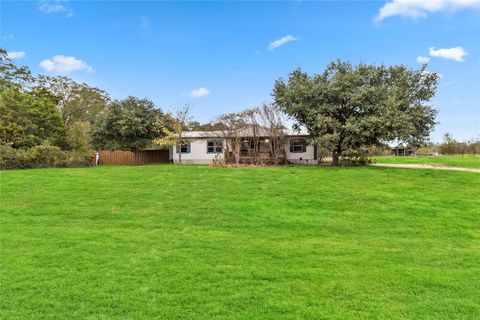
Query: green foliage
350, 107
46, 157
449, 145
11, 76
28, 116
473, 146
28, 119
352, 161
129, 124
43, 156
77, 102
356, 157
78, 138
193, 242
11, 158
173, 128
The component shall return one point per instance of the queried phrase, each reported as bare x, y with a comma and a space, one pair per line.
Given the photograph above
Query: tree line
451, 146
54, 121
347, 110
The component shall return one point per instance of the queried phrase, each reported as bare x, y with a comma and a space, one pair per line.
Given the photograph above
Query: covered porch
259, 150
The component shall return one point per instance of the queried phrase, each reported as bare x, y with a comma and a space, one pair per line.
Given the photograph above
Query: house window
184, 148
215, 146
298, 145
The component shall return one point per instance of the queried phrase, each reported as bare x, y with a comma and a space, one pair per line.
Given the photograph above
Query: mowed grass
467, 161
194, 242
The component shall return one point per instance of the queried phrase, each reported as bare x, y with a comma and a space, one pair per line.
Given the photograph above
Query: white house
208, 145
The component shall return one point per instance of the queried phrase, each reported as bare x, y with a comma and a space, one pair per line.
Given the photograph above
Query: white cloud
200, 92
456, 53
421, 59
421, 8
15, 54
280, 42
55, 6
63, 64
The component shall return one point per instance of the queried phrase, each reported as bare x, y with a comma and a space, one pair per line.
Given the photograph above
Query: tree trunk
335, 158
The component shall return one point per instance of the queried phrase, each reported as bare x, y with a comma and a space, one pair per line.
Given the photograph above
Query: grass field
467, 161
195, 242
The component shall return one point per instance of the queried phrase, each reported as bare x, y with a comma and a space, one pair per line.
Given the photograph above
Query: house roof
243, 133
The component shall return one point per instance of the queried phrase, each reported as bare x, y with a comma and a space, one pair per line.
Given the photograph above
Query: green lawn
194, 242
467, 161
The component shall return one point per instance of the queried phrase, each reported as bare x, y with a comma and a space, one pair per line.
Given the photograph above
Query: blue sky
225, 56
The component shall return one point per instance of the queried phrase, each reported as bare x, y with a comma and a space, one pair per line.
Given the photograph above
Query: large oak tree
348, 107
128, 124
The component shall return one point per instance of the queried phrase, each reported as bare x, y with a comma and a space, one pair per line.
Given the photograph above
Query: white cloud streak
457, 53
63, 64
421, 8
421, 59
200, 92
280, 42
55, 6
16, 54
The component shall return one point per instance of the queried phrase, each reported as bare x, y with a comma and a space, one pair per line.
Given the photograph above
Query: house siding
307, 157
198, 152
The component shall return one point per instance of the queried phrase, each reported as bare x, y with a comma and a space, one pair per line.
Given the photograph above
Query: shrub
360, 157
11, 158
43, 156
355, 161
218, 161
79, 158
47, 156
78, 138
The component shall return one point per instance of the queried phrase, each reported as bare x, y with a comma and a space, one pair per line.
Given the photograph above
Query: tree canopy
173, 128
28, 117
128, 124
77, 102
348, 107
11, 76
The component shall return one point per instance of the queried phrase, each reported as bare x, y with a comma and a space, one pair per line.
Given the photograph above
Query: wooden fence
133, 158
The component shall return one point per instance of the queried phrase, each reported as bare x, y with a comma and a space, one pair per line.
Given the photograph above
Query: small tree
271, 120
78, 138
473, 146
427, 148
232, 126
449, 145
173, 130
264, 121
252, 131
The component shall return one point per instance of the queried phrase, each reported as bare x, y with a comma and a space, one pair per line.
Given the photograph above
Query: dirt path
424, 166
